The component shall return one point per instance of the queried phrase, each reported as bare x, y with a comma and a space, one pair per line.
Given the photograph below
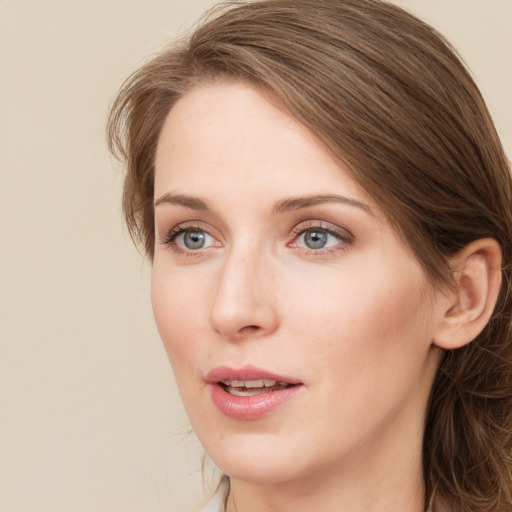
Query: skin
354, 321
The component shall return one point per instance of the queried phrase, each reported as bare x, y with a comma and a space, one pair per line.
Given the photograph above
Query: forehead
232, 132
224, 119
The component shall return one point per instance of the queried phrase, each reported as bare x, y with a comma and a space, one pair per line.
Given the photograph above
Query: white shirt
216, 504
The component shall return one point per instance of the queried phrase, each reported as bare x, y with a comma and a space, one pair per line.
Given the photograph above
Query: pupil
194, 239
315, 239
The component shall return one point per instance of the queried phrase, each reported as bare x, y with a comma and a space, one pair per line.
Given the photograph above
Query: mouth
250, 393
253, 387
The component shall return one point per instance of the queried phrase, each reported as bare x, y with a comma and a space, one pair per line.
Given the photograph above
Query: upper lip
248, 372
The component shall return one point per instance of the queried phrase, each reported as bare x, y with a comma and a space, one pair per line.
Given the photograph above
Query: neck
290, 497
388, 495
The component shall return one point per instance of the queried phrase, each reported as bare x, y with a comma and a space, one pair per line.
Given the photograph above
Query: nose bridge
243, 302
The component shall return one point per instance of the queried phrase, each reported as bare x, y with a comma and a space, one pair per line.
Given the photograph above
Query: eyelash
344, 237
175, 232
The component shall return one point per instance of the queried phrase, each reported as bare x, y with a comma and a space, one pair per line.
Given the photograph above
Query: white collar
216, 504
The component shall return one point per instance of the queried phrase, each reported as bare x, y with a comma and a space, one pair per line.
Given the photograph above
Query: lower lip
250, 407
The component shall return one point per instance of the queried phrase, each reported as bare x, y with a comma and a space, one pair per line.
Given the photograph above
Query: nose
245, 300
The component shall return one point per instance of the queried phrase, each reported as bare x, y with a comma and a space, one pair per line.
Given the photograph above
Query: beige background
90, 419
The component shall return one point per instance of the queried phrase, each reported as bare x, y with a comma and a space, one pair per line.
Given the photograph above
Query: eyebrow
297, 203
194, 203
281, 206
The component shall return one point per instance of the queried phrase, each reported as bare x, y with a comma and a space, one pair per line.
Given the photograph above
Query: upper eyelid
323, 225
190, 225
169, 235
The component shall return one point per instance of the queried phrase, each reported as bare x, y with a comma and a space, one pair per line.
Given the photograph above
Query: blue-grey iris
315, 239
194, 239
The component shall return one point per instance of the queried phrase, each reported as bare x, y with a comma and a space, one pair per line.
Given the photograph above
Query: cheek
367, 353
179, 312
376, 326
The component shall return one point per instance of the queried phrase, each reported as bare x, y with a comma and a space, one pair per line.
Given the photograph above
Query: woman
327, 207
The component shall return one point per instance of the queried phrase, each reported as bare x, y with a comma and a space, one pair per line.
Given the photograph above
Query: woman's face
298, 326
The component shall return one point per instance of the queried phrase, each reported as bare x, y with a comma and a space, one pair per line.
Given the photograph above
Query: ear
469, 306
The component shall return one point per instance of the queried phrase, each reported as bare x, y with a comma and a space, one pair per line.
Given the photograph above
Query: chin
259, 472
257, 460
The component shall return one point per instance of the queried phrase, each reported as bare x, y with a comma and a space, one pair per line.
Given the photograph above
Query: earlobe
477, 275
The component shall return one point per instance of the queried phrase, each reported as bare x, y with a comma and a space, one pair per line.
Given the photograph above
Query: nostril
251, 328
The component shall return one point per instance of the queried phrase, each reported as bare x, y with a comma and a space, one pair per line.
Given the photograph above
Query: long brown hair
394, 104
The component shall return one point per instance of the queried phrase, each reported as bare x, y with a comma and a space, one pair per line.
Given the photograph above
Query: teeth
252, 387
260, 383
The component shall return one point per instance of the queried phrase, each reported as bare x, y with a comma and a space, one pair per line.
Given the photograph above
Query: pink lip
248, 407
245, 373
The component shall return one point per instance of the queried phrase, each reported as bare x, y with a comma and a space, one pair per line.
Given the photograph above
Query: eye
194, 239
182, 238
317, 237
